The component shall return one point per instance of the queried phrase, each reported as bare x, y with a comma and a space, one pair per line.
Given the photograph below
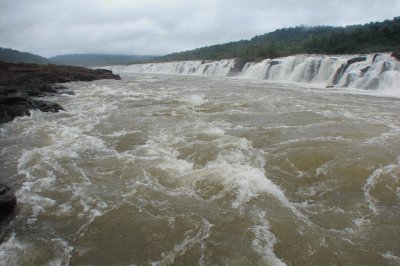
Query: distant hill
98, 59
14, 56
368, 38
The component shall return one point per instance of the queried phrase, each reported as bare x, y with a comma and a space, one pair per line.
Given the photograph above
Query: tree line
368, 38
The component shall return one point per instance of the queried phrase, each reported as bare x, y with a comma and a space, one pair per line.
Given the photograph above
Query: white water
368, 72
216, 68
193, 170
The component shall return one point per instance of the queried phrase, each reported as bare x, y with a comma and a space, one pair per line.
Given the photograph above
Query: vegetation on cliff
368, 38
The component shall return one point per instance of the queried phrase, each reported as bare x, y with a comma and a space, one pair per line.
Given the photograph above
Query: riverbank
22, 84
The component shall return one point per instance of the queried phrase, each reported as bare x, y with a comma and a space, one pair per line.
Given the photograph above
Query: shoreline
20, 87
22, 84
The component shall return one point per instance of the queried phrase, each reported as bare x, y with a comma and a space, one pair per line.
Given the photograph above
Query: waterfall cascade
209, 68
372, 71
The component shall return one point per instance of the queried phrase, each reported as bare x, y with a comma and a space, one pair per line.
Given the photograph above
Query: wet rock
13, 106
274, 63
237, 67
373, 84
375, 56
20, 82
47, 106
67, 92
8, 201
206, 68
364, 70
356, 60
338, 74
396, 55
342, 69
385, 67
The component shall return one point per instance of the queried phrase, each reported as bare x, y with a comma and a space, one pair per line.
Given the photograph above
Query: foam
192, 158
265, 241
122, 133
389, 171
12, 250
247, 181
42, 168
64, 252
29, 195
214, 130
193, 100
197, 100
188, 242
389, 255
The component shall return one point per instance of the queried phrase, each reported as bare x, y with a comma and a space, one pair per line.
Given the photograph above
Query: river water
183, 170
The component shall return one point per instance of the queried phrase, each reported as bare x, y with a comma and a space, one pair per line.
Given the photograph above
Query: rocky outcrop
396, 55
21, 84
342, 69
7, 201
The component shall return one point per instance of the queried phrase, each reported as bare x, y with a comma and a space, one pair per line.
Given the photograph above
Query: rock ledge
20, 84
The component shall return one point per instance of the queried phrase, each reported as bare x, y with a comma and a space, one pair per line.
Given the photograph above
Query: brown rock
20, 82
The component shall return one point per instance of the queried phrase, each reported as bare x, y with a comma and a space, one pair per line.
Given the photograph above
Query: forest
14, 56
368, 38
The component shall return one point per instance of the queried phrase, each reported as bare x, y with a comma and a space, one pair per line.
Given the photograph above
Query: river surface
183, 170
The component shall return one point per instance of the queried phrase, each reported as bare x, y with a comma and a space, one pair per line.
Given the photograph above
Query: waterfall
208, 68
372, 71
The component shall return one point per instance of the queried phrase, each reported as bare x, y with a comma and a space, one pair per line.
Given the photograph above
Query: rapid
194, 170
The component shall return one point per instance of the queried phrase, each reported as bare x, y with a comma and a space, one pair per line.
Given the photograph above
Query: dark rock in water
237, 67
13, 106
347, 81
342, 69
270, 65
329, 86
67, 92
46, 106
373, 84
20, 82
385, 67
375, 56
396, 55
356, 60
338, 74
364, 70
274, 63
205, 68
22, 74
7, 201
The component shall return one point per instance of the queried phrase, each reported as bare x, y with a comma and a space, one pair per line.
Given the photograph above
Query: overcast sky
52, 27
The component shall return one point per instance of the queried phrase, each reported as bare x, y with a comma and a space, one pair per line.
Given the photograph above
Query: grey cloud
49, 27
